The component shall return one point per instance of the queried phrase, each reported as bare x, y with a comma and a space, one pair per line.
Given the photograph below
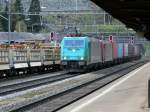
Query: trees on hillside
18, 20
35, 20
21, 26
17, 7
32, 23
4, 22
1, 27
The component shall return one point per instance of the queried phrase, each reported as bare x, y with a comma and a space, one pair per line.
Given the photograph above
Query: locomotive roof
75, 37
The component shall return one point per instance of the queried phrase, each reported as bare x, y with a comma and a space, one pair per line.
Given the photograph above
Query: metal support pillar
149, 93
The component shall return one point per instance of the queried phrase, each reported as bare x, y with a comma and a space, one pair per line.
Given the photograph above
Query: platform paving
127, 94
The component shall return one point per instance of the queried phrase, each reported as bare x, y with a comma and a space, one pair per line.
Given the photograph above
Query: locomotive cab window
74, 43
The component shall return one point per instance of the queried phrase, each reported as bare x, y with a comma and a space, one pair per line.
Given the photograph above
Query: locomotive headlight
73, 50
82, 58
65, 58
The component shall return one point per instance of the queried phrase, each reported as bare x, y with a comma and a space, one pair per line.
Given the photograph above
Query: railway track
12, 86
68, 89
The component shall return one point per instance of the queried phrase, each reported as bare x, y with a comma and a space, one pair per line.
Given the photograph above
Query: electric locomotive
80, 53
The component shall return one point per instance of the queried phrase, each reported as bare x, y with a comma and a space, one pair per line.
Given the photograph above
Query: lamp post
76, 5
8, 2
76, 11
41, 19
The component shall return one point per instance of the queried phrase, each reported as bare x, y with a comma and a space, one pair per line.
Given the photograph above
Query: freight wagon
17, 61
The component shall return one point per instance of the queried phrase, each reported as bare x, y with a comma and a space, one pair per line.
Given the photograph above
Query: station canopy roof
133, 13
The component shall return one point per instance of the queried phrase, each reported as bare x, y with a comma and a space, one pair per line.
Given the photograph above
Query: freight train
28, 61
84, 53
75, 53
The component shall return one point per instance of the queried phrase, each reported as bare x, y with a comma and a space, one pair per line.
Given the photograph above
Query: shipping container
125, 54
108, 52
120, 50
136, 50
130, 50
115, 52
95, 50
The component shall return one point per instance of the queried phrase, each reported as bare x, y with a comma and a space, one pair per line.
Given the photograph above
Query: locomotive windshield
74, 43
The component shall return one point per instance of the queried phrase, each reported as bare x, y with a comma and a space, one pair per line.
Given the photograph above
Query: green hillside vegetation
48, 23
1, 27
112, 28
86, 23
21, 26
18, 22
4, 22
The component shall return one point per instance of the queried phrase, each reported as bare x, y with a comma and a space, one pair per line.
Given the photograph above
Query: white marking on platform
109, 89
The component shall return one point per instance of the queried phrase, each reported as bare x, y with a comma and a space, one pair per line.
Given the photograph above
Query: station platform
127, 94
